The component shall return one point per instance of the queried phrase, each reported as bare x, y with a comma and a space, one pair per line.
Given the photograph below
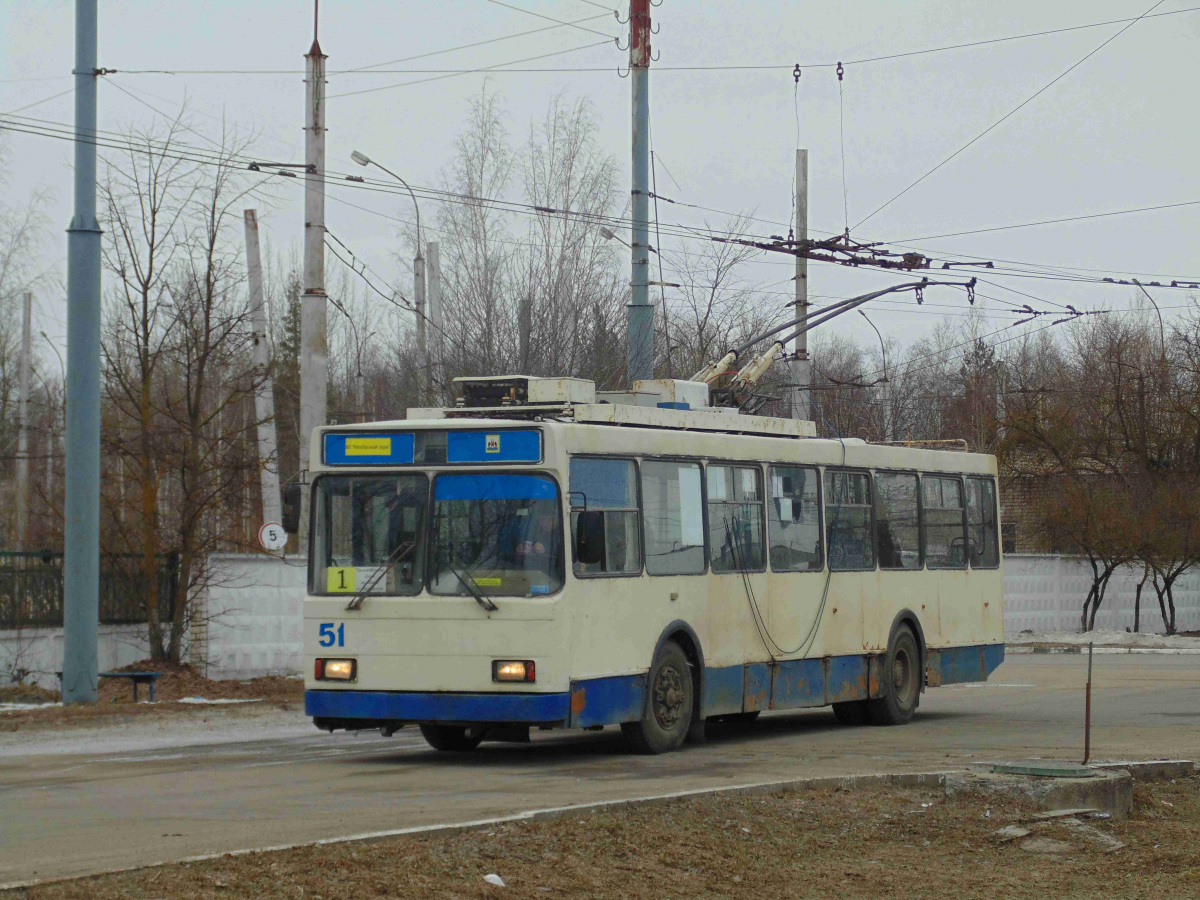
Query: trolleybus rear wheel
451, 737
668, 711
900, 682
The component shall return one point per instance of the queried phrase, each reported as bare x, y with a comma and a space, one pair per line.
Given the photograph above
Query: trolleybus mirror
589, 537
291, 508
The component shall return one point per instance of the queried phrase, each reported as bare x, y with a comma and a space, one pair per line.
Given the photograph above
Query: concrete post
640, 318
314, 330
801, 366
422, 344
437, 340
23, 424
264, 396
81, 520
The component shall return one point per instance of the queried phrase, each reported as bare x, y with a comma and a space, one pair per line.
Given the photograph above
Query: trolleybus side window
604, 498
735, 519
945, 522
369, 534
794, 519
848, 520
897, 521
673, 511
981, 523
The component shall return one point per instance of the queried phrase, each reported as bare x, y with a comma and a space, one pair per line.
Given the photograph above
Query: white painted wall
1046, 593
252, 619
40, 650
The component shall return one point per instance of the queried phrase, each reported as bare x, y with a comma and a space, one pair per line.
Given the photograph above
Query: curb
1147, 770
1162, 651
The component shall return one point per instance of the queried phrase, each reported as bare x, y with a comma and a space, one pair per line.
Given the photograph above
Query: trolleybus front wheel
668, 710
900, 682
451, 737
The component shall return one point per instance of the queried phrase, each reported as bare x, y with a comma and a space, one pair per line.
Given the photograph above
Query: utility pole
640, 316
314, 331
81, 520
436, 372
800, 365
422, 338
23, 424
264, 396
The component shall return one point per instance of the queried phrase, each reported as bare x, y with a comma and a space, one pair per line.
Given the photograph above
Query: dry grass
116, 699
840, 843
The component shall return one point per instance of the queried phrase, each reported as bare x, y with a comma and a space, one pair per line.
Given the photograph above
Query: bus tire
670, 697
451, 738
852, 712
900, 683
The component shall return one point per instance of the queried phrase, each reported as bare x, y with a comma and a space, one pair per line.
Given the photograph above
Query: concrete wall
1046, 593
250, 623
40, 651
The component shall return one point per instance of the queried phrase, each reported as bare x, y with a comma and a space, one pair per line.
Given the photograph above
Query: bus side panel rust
798, 683
723, 690
607, 701
847, 679
756, 688
957, 665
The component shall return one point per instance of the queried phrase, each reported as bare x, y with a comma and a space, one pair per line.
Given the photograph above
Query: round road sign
272, 536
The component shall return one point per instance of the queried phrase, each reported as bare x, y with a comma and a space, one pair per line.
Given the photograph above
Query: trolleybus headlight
336, 670
514, 670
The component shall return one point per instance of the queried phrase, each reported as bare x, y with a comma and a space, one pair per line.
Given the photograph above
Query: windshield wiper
469, 582
395, 556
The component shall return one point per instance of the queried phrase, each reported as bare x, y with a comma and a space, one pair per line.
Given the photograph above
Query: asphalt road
76, 802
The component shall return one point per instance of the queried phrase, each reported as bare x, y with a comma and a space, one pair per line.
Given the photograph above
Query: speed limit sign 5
272, 536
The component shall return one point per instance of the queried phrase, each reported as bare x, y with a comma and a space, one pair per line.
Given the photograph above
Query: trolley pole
264, 397
640, 316
81, 520
800, 365
314, 332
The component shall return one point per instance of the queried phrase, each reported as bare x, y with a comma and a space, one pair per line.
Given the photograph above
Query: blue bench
137, 678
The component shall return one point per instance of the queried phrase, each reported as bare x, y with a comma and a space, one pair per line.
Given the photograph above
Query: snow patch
224, 700
1103, 638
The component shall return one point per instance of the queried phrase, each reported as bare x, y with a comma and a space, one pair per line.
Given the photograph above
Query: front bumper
411, 706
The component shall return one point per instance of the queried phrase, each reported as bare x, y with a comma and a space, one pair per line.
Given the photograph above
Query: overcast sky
1115, 133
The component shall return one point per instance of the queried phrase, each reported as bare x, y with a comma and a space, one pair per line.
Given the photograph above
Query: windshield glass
496, 535
369, 534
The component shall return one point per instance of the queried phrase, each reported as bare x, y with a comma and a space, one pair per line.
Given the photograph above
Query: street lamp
418, 278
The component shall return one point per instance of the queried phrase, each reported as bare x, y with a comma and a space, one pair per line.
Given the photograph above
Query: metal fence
31, 589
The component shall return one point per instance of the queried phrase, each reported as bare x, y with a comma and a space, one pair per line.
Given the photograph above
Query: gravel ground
842, 843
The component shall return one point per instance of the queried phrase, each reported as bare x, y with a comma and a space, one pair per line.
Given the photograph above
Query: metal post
264, 396
433, 253
422, 346
1087, 708
81, 521
801, 366
314, 332
23, 424
640, 317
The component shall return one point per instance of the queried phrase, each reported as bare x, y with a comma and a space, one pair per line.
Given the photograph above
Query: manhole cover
1044, 767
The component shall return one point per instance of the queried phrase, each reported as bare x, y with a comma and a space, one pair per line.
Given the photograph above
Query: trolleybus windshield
497, 535
369, 534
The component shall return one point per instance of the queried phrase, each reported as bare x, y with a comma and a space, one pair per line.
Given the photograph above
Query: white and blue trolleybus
544, 556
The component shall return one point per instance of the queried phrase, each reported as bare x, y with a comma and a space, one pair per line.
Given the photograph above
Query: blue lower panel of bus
789, 684
436, 707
